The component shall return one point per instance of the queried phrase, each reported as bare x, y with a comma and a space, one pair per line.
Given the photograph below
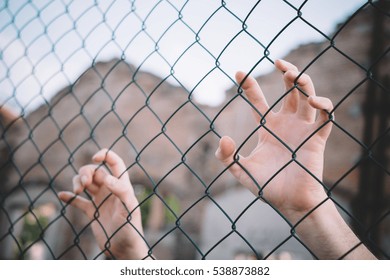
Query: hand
287, 164
113, 208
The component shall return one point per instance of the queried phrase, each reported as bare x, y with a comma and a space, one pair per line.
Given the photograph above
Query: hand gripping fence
154, 82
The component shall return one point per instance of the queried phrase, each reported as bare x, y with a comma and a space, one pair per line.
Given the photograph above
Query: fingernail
99, 153
84, 180
218, 153
95, 156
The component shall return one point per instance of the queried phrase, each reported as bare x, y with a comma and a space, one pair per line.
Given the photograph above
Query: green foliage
32, 230
174, 205
145, 197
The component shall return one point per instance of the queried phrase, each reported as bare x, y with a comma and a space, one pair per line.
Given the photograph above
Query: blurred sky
45, 45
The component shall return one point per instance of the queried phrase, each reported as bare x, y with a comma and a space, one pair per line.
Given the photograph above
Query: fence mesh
154, 82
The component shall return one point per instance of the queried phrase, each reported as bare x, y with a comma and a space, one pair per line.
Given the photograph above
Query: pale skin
293, 191
117, 205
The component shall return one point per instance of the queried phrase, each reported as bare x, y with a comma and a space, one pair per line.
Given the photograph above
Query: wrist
328, 236
308, 204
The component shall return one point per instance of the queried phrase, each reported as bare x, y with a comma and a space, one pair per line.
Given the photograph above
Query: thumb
226, 150
225, 153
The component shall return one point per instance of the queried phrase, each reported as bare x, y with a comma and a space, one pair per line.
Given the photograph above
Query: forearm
328, 236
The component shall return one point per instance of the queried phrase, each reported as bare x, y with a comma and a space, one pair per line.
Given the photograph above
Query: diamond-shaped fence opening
154, 82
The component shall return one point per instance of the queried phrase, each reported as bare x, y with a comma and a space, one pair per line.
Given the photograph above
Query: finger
87, 178
123, 190
77, 201
98, 187
77, 185
86, 173
100, 175
325, 106
225, 153
290, 102
305, 85
254, 93
284, 66
113, 161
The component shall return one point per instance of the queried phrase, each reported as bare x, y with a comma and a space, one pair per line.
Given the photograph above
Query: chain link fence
154, 82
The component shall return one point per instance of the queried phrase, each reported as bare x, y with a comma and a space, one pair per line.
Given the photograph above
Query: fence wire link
129, 85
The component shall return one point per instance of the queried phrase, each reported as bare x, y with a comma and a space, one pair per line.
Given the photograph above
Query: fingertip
61, 195
77, 189
240, 75
76, 201
226, 148
279, 63
85, 175
320, 103
77, 185
325, 107
243, 79
84, 180
304, 82
218, 151
284, 65
100, 155
65, 196
226, 155
246, 81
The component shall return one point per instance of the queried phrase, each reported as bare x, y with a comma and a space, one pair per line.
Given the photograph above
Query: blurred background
154, 81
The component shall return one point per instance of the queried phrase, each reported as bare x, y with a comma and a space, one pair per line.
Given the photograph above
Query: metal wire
43, 146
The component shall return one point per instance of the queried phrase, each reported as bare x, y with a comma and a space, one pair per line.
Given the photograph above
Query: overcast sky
45, 45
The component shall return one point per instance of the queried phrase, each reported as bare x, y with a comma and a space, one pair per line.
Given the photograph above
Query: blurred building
168, 142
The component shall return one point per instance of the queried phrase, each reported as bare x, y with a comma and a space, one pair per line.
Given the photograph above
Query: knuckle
304, 79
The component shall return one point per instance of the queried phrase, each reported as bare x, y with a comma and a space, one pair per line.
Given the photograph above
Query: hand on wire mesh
112, 208
285, 168
291, 144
